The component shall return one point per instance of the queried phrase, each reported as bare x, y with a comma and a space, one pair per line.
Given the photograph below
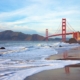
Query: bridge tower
46, 34
63, 29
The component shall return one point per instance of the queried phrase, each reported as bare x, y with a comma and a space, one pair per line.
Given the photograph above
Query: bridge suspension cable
65, 29
70, 27
58, 29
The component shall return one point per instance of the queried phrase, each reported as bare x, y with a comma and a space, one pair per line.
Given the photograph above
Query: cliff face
10, 35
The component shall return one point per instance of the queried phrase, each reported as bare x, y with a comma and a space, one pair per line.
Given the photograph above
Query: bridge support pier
76, 35
46, 34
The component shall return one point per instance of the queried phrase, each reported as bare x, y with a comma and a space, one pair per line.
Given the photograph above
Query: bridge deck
60, 34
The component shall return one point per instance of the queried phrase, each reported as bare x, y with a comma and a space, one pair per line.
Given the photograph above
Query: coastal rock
72, 40
0, 54
60, 46
2, 48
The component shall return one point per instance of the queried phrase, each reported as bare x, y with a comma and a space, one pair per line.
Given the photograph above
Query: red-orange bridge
64, 32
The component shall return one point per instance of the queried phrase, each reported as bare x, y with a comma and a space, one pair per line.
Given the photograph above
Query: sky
34, 16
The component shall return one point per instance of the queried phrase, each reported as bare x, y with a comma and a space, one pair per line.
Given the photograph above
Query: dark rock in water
50, 46
2, 48
0, 54
72, 40
60, 46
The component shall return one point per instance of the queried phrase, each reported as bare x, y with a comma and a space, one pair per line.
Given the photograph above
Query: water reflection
65, 54
67, 68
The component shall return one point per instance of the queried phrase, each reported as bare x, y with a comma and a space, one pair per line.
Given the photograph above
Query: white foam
35, 54
66, 44
20, 75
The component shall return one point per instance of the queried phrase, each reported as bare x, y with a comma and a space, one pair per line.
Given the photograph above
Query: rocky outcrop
72, 40
2, 48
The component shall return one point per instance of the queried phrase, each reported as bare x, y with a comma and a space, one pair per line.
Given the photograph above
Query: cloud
18, 28
38, 14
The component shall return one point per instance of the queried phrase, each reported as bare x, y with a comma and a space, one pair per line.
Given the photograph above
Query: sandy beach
73, 54
70, 72
57, 74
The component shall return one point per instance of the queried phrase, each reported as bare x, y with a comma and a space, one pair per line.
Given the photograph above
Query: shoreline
66, 73
73, 54
69, 72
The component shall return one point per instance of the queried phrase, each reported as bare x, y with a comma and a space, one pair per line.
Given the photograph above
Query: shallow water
21, 57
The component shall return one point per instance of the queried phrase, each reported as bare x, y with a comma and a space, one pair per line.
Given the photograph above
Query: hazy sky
34, 16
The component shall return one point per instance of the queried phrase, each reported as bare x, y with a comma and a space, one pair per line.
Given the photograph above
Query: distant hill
18, 36
9, 35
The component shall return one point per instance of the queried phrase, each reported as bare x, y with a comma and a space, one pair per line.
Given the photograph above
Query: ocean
21, 59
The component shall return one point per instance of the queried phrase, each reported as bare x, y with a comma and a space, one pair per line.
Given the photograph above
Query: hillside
18, 36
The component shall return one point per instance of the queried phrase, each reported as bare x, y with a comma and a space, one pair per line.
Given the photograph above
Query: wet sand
73, 54
70, 72
57, 74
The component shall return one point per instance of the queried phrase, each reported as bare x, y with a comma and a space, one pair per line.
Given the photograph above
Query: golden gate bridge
75, 34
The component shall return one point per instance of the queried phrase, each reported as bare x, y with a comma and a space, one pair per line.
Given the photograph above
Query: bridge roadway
60, 34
